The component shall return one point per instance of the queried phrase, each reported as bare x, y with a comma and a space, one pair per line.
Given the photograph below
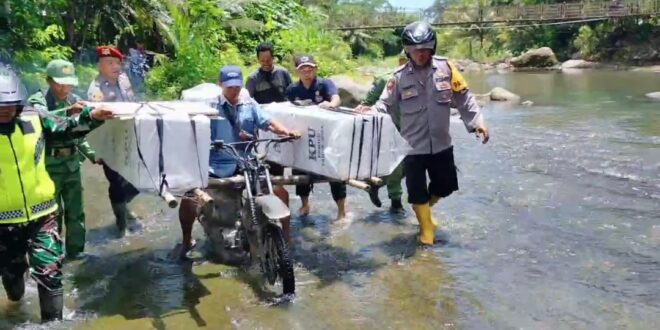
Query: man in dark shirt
268, 84
323, 92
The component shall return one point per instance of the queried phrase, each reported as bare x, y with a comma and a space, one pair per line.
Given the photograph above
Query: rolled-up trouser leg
338, 190
394, 188
304, 190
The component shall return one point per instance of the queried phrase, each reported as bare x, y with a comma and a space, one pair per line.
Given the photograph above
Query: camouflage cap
63, 72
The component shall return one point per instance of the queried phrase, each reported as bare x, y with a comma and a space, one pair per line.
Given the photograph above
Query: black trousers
441, 170
338, 189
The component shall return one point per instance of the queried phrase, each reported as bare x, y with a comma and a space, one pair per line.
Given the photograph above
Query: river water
556, 226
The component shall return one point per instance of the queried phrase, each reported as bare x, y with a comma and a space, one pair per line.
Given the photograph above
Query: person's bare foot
341, 209
340, 216
186, 247
304, 210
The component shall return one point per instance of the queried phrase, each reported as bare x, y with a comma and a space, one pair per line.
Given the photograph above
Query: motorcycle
255, 232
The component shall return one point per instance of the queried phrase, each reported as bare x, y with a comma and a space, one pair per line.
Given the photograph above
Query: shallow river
556, 226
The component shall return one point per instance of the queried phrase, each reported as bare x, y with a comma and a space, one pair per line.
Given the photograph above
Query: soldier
28, 229
111, 85
63, 155
423, 89
393, 181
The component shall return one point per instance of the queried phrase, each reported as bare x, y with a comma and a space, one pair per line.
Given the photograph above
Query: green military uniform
63, 159
393, 181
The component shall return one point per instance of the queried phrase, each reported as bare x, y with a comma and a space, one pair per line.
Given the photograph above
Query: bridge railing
556, 11
513, 13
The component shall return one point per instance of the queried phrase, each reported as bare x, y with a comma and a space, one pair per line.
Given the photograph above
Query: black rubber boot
14, 286
51, 303
396, 207
373, 195
121, 214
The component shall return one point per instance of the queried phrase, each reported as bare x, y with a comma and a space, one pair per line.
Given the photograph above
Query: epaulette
400, 68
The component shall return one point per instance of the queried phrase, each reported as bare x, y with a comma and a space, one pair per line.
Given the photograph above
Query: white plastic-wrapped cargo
337, 144
205, 92
208, 93
157, 145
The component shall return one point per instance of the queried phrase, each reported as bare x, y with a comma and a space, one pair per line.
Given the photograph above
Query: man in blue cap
246, 118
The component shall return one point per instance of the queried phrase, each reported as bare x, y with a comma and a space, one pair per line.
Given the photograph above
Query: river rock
501, 94
542, 57
351, 92
653, 68
503, 67
579, 64
655, 96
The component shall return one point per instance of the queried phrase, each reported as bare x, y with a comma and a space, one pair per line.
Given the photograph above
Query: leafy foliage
308, 36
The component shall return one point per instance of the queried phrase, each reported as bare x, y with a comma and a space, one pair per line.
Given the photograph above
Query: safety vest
26, 190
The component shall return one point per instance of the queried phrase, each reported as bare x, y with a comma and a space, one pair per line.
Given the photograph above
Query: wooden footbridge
510, 15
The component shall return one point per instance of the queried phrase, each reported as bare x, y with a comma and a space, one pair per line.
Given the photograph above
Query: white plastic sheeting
205, 92
337, 144
157, 143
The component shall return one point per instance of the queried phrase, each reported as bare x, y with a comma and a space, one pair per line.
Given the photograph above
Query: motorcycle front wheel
276, 262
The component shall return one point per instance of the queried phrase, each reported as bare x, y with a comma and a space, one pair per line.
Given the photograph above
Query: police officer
28, 227
423, 89
313, 90
63, 154
393, 181
245, 118
111, 85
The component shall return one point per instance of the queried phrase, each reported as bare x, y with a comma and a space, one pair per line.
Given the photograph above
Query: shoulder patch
390, 85
458, 83
96, 95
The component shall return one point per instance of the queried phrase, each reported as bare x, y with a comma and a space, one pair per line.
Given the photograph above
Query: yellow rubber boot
432, 201
426, 227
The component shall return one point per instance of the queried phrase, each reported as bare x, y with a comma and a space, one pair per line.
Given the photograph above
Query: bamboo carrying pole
169, 199
282, 180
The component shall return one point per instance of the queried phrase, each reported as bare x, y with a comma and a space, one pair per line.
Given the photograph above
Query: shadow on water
318, 254
140, 284
385, 216
12, 314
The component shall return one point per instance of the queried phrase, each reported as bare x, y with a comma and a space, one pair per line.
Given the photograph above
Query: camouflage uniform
40, 241
63, 157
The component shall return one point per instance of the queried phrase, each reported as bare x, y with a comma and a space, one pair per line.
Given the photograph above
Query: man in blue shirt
323, 92
244, 118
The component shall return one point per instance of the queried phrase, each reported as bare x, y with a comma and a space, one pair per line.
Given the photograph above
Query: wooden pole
169, 199
284, 180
